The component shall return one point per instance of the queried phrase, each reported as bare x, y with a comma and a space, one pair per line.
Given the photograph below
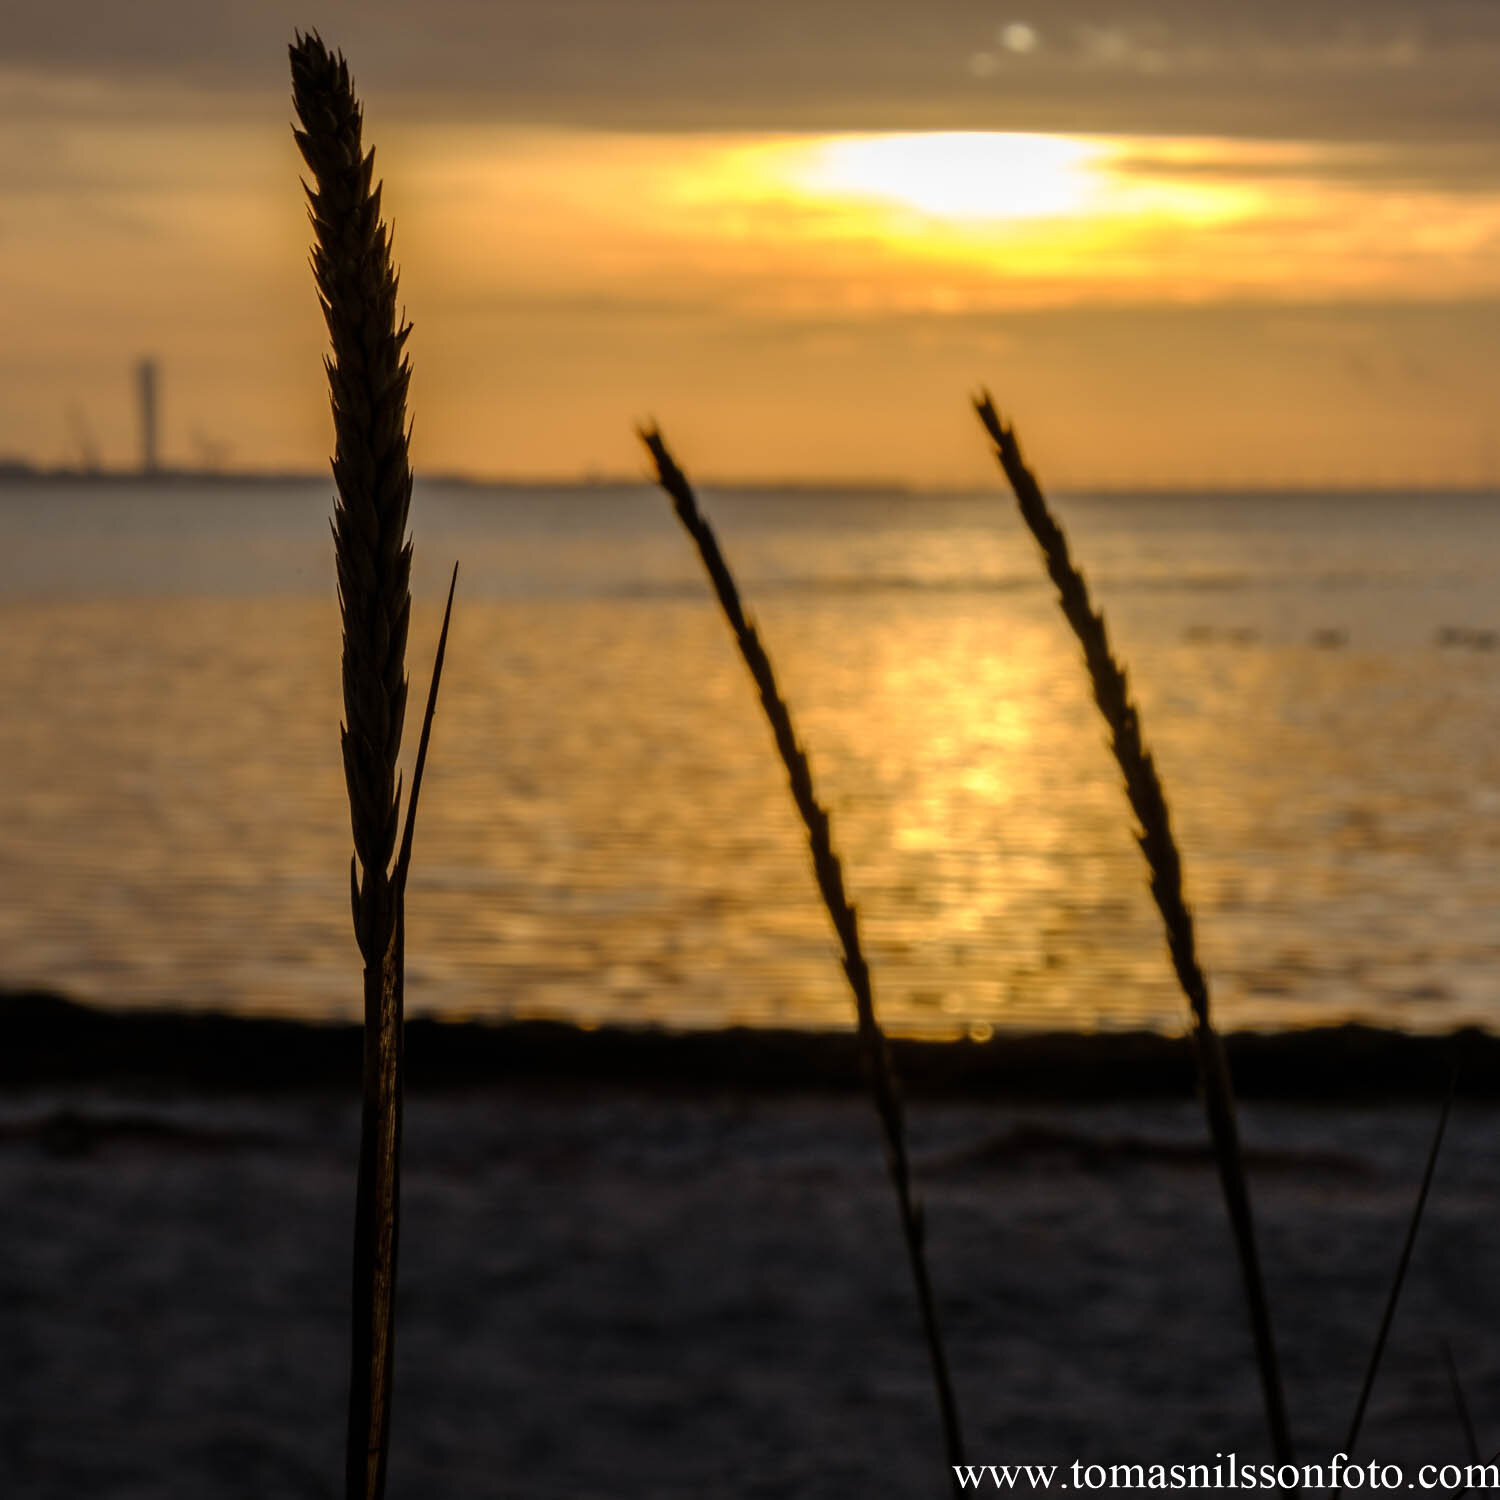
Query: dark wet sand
55, 1041
612, 1291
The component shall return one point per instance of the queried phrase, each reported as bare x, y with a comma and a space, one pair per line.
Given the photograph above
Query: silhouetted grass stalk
1403, 1261
830, 879
368, 377
1143, 788
1460, 1403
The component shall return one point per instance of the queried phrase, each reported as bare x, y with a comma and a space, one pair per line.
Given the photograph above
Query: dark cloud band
1376, 69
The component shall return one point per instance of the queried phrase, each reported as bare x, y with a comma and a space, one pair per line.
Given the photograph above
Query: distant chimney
146, 377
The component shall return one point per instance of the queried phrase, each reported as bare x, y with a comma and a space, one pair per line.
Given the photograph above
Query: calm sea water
606, 834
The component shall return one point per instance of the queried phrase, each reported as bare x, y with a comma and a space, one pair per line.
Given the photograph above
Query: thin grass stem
1460, 1403
403, 859
1154, 834
830, 878
1403, 1262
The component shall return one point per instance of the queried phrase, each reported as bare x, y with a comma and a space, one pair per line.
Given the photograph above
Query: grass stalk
1460, 1403
1154, 834
1403, 1262
368, 375
830, 877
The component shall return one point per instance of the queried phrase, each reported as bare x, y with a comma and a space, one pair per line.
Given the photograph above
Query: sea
605, 834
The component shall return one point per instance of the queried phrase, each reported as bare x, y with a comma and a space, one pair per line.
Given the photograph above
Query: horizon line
16, 470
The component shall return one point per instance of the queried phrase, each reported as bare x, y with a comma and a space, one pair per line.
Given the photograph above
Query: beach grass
830, 877
368, 376
1461, 1404
1148, 801
1398, 1280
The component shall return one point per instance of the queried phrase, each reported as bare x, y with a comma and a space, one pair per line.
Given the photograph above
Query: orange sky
808, 297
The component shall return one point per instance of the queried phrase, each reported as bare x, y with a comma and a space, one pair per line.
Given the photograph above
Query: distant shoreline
19, 474
56, 1041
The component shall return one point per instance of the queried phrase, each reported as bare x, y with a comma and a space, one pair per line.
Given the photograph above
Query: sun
964, 176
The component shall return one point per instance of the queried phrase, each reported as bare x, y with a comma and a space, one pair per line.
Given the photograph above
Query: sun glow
967, 186
943, 222
958, 175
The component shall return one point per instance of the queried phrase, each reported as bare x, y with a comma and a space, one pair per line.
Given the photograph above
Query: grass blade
368, 376
1399, 1280
1460, 1403
1154, 834
403, 859
830, 877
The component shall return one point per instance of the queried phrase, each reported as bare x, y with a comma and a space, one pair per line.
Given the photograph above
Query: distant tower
146, 377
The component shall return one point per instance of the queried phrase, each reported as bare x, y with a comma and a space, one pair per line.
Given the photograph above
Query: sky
1186, 243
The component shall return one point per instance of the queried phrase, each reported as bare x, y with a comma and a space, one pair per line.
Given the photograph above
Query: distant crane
81, 438
145, 373
213, 453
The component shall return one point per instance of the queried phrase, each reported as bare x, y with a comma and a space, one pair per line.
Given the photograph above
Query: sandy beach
615, 1291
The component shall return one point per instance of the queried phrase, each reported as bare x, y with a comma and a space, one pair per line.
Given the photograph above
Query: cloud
1345, 69
1020, 36
1142, 49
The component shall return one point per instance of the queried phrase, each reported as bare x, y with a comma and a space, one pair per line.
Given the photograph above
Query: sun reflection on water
606, 832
